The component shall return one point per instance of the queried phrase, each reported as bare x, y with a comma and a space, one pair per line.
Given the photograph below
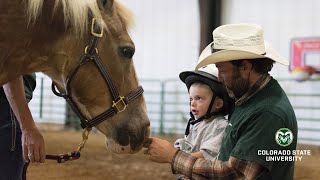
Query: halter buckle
124, 104
97, 34
86, 50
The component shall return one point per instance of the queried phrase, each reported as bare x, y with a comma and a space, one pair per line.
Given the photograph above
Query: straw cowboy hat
236, 42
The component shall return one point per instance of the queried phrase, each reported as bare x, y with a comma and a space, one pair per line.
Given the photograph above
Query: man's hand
33, 145
159, 150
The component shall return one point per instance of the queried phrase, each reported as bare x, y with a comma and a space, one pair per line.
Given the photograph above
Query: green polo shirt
253, 127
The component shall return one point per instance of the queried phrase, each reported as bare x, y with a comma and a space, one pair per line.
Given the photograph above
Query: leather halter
119, 103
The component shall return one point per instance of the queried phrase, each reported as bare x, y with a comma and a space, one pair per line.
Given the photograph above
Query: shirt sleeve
186, 164
29, 81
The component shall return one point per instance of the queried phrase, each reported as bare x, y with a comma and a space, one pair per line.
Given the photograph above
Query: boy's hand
160, 151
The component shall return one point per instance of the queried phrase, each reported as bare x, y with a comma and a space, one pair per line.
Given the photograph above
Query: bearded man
262, 117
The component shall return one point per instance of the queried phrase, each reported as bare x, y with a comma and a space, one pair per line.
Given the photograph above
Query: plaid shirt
194, 168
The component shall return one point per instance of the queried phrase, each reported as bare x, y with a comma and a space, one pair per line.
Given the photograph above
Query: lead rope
73, 155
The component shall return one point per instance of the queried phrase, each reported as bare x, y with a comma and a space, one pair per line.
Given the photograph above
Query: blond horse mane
76, 13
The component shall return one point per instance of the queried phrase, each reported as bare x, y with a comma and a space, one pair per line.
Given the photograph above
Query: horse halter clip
119, 103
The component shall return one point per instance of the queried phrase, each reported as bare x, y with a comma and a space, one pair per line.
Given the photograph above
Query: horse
85, 48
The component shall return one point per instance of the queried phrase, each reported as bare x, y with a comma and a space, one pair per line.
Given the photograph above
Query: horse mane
75, 13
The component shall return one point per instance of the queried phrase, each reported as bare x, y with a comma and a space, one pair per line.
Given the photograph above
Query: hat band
213, 50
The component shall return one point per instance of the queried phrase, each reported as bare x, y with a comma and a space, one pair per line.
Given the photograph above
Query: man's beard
238, 86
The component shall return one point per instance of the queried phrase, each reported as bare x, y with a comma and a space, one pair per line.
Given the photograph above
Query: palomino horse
84, 47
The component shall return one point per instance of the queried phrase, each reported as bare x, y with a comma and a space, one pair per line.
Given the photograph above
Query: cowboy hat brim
206, 57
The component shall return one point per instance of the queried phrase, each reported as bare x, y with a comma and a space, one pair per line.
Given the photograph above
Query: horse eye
127, 52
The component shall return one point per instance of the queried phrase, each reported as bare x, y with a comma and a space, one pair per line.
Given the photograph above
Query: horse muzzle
127, 142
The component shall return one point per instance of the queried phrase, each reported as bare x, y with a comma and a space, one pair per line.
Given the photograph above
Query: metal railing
168, 106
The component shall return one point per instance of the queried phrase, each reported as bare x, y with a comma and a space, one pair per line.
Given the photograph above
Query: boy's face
200, 98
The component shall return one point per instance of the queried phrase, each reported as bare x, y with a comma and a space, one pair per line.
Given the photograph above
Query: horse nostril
123, 137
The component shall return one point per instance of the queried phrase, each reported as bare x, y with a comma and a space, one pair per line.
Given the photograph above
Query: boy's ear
218, 103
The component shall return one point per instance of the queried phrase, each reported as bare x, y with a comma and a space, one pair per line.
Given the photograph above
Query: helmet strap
209, 114
211, 104
192, 121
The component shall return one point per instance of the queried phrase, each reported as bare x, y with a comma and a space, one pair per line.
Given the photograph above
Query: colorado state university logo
284, 137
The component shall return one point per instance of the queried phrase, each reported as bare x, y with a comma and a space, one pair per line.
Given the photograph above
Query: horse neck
25, 47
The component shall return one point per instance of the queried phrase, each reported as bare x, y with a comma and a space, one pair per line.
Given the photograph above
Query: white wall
166, 35
281, 20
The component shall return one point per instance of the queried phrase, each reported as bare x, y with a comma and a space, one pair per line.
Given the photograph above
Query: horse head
77, 44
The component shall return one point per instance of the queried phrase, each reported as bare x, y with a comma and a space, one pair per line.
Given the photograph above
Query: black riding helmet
208, 76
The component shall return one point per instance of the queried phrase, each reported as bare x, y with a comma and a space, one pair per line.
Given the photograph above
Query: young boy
209, 103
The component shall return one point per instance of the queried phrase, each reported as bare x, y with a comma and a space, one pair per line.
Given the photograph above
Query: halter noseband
119, 103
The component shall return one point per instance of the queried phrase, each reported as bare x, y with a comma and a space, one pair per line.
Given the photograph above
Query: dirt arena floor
96, 163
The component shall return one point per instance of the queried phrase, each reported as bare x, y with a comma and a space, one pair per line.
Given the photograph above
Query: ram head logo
284, 137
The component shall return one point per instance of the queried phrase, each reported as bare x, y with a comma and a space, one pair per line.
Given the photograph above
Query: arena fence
168, 106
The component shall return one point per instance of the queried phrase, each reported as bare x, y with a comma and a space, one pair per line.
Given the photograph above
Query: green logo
284, 137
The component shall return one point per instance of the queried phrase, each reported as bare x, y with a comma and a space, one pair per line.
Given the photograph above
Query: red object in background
300, 47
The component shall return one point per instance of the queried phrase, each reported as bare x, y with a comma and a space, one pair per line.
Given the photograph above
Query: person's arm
183, 163
32, 140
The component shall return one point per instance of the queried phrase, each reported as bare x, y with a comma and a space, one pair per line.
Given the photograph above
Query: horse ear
105, 5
